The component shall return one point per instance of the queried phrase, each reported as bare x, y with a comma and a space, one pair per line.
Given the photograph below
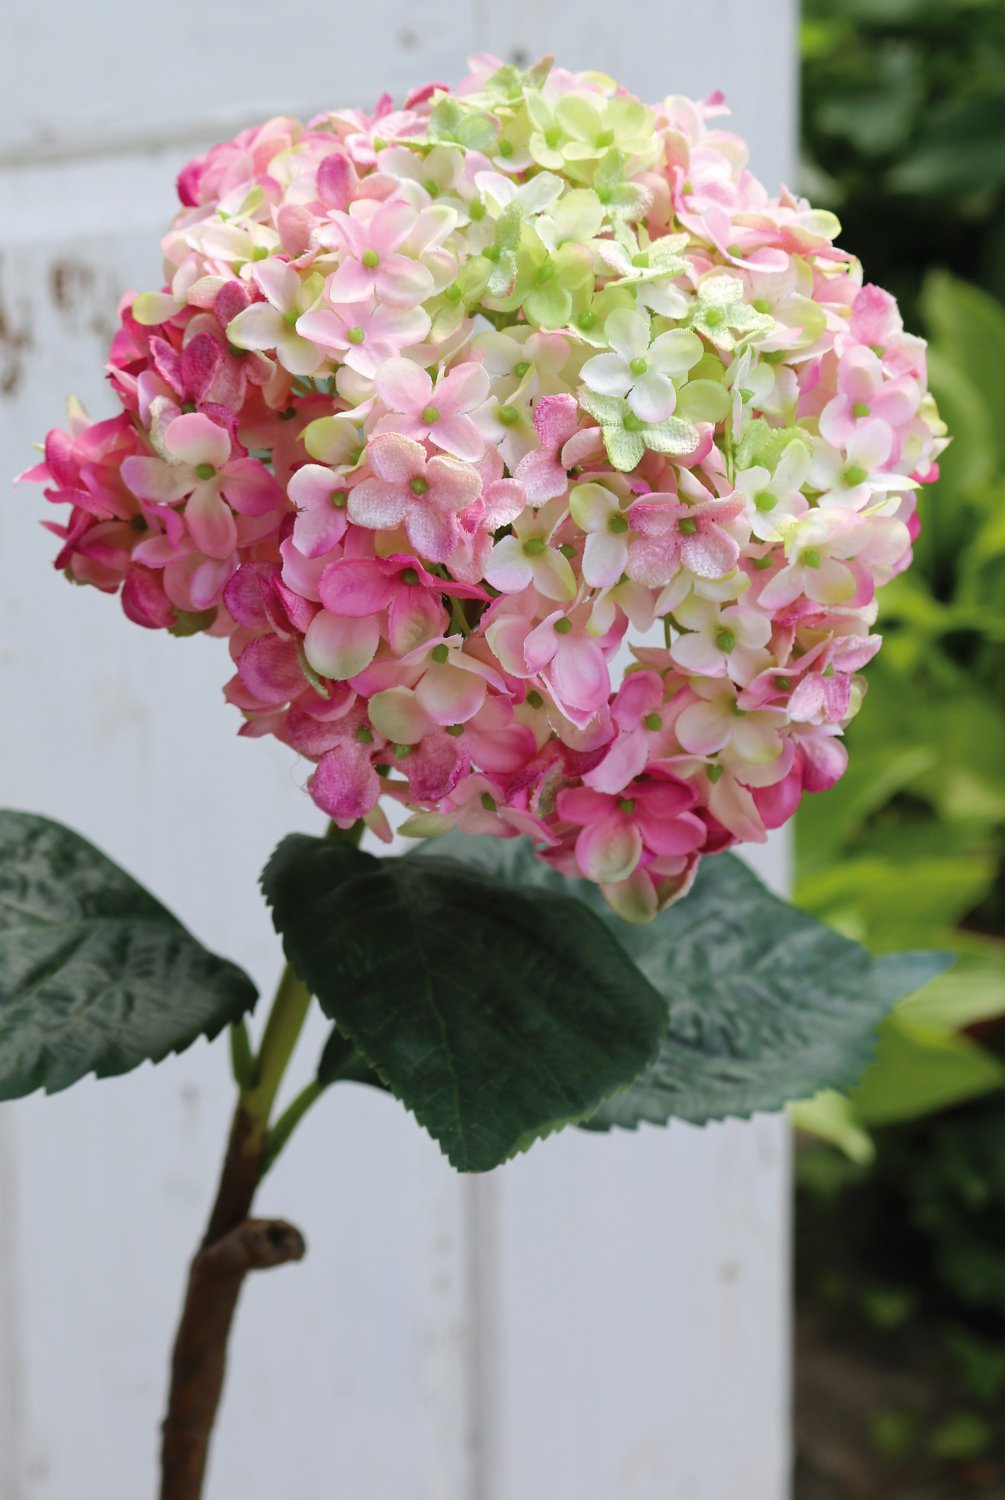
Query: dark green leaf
766, 1004
95, 975
495, 1012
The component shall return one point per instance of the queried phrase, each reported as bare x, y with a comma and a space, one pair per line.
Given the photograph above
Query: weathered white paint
606, 1318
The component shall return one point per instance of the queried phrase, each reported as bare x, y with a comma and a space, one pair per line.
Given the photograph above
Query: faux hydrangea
538, 466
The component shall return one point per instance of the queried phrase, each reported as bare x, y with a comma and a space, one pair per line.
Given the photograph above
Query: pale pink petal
338, 647
399, 715
194, 439
377, 504
463, 388
402, 282
698, 654
709, 553
452, 484
396, 458
609, 851
579, 672
604, 558
458, 435
403, 386
259, 326
278, 282
351, 283
625, 760
210, 521
432, 532
450, 695
153, 479
509, 568
298, 354
702, 728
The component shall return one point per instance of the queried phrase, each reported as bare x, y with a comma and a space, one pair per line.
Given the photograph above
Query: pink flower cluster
539, 467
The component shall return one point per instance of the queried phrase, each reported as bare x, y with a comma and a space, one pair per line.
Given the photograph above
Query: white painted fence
606, 1319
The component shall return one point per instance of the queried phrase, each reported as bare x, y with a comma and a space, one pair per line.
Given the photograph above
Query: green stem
288, 1121
282, 1031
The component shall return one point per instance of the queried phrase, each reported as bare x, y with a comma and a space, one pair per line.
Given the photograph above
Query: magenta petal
270, 669
250, 488
355, 586
345, 785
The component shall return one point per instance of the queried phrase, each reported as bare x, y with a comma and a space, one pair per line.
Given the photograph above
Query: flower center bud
854, 474
784, 683
714, 772
552, 136
453, 294
811, 557
410, 577
761, 305
508, 415
638, 365
440, 653
586, 320
290, 317
641, 260
534, 546
725, 640
860, 409
567, 550
505, 148
761, 562
534, 699
632, 423
431, 188
714, 316
418, 485
259, 252
355, 335
563, 626
401, 751
339, 499
363, 736
205, 471
430, 414
456, 730
545, 273
476, 209
617, 524
828, 670
521, 368
488, 802
652, 722
627, 805
605, 139
371, 259
764, 501
687, 527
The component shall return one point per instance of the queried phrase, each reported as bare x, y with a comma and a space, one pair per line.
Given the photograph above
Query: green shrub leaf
766, 1005
494, 1009
95, 975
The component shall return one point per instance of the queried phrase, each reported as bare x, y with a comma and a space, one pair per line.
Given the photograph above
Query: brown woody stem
233, 1245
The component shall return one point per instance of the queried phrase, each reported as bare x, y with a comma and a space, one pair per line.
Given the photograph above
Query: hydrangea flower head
537, 464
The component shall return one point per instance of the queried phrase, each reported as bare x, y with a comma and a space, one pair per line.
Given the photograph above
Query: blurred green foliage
903, 109
904, 137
